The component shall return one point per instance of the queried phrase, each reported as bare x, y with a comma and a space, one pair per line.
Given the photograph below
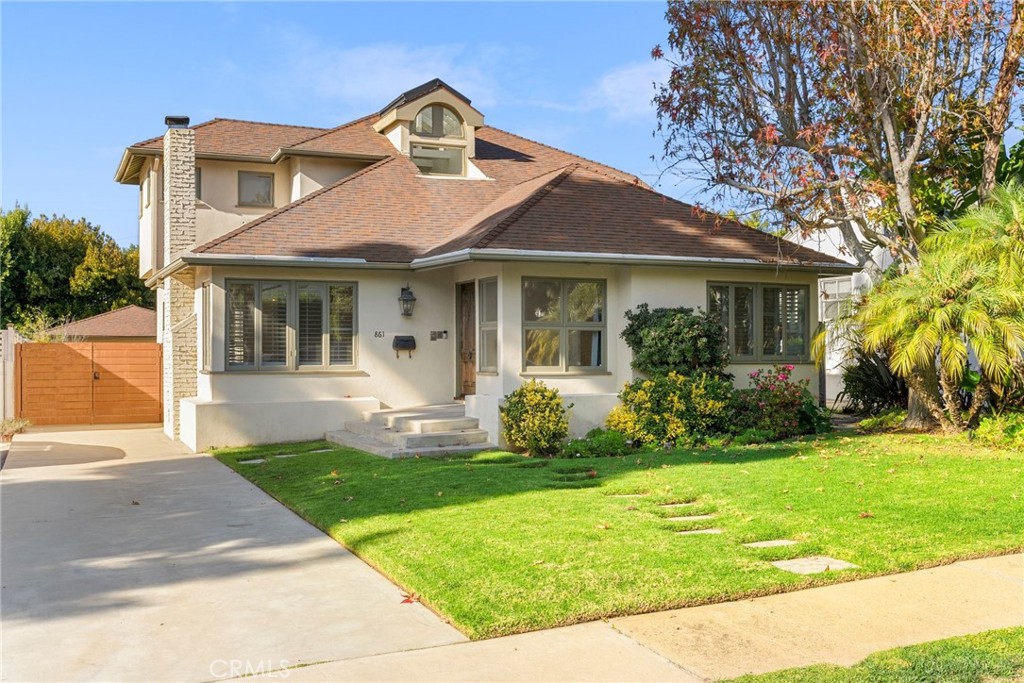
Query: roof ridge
258, 123
288, 207
562, 151
328, 131
531, 200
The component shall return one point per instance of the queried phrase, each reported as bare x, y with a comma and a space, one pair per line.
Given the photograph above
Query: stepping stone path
677, 505
770, 544
288, 455
254, 461
322, 450
813, 565
699, 531
689, 518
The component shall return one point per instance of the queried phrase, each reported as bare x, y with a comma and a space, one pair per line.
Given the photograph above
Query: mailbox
403, 343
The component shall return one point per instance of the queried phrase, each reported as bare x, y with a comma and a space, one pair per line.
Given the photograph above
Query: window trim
434, 135
292, 365
758, 319
490, 325
564, 326
262, 174
206, 304
438, 143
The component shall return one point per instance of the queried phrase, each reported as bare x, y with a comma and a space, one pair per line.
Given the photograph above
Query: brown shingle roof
130, 321
355, 138
241, 138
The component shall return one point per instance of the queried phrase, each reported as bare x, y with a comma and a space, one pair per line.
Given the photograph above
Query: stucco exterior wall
309, 174
218, 211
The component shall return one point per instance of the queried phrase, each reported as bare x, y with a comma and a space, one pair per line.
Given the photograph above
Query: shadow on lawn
345, 485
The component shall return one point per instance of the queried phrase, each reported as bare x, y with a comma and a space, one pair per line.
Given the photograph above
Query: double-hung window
564, 325
763, 322
290, 325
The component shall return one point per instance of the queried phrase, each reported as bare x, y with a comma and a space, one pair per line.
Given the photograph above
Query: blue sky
81, 81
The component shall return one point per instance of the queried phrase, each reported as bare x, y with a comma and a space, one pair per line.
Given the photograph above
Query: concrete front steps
407, 432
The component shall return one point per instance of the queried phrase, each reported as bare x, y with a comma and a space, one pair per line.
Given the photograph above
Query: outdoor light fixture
407, 301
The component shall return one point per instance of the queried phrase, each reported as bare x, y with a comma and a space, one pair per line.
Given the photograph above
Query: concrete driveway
126, 558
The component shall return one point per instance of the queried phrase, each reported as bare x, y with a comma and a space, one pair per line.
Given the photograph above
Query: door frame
459, 332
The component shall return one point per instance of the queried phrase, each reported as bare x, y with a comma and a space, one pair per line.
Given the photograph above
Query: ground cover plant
990, 657
501, 543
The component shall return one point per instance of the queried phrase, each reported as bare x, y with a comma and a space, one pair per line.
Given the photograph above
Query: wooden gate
88, 383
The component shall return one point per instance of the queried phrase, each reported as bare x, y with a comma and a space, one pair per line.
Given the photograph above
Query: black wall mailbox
403, 343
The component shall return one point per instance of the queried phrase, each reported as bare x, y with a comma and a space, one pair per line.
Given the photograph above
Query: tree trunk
999, 107
923, 400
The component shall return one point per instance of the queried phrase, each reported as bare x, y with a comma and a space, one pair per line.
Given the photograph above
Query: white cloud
626, 91
367, 77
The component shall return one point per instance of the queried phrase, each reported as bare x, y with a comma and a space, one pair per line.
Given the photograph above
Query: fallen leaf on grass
409, 598
604, 525
865, 515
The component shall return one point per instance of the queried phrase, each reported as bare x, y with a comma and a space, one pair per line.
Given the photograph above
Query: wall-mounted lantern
407, 301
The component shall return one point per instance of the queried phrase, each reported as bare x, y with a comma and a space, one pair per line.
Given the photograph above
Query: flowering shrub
777, 405
671, 408
534, 419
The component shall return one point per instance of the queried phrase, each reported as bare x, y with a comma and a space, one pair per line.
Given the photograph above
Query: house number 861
378, 334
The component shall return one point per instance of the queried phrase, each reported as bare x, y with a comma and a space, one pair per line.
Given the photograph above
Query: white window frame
292, 354
565, 326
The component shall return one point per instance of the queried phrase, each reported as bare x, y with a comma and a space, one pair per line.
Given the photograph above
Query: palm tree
961, 298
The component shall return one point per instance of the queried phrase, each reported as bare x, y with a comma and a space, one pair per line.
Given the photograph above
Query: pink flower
789, 367
783, 376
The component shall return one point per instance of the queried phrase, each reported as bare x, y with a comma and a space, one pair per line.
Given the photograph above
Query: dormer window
437, 121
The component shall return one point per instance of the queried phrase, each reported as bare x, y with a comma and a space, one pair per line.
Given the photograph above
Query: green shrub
752, 436
1005, 429
672, 408
869, 386
885, 421
675, 340
534, 419
777, 405
599, 443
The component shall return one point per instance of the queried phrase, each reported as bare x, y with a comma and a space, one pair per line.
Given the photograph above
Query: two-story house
308, 276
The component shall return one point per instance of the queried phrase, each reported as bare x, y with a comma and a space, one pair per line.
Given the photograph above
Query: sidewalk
839, 624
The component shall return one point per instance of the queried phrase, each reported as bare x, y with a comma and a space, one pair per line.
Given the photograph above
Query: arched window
437, 121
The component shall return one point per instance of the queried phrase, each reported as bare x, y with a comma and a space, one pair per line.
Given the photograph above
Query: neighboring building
832, 293
127, 324
280, 255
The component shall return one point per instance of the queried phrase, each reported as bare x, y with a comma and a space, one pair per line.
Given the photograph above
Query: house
832, 293
307, 276
125, 324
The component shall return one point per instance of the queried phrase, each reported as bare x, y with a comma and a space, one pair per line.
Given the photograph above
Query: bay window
763, 322
290, 325
564, 326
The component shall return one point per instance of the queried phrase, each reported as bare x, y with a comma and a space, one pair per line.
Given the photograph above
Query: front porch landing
408, 432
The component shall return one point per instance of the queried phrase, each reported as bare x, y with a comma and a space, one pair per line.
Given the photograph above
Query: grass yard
991, 657
499, 543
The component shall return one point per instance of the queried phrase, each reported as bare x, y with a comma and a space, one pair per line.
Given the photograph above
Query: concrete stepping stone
254, 461
322, 450
288, 455
677, 505
769, 544
691, 532
689, 518
626, 495
813, 565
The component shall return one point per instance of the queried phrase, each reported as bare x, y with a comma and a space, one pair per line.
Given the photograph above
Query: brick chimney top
176, 121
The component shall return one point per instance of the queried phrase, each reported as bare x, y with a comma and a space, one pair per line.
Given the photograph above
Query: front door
466, 380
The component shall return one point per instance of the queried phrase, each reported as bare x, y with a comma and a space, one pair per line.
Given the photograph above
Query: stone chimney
179, 167
177, 292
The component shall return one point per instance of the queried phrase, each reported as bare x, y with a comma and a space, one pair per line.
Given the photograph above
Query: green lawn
991, 657
499, 543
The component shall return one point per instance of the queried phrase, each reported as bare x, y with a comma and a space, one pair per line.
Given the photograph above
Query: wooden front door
466, 380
